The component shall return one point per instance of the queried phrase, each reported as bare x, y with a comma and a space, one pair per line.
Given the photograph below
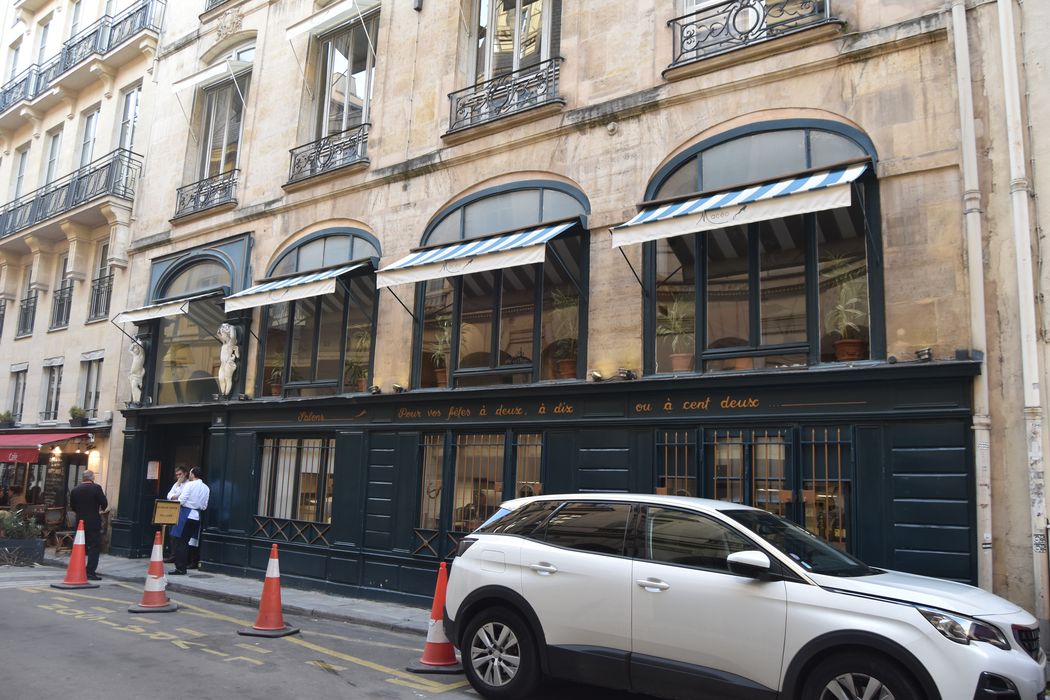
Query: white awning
289, 288
829, 189
211, 75
520, 248
161, 310
331, 17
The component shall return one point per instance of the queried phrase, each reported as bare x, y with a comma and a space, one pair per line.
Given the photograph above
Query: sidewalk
246, 591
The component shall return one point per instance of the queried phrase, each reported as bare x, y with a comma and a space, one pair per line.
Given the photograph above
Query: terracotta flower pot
565, 368
850, 349
681, 362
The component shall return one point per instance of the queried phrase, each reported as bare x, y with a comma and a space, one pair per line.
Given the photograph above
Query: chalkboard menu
55, 483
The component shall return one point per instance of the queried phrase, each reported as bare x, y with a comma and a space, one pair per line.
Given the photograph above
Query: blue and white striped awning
520, 248
290, 288
162, 309
829, 189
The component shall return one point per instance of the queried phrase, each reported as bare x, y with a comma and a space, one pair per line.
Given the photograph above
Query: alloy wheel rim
495, 654
856, 686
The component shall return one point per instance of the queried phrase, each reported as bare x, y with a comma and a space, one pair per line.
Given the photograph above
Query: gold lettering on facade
643, 408
483, 411
543, 409
510, 411
668, 406
697, 405
564, 408
433, 413
310, 417
750, 402
458, 412
409, 413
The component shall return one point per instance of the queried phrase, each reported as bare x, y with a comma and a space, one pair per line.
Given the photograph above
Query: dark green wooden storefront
893, 441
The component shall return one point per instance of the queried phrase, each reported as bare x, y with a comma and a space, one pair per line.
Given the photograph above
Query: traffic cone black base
73, 586
252, 632
435, 670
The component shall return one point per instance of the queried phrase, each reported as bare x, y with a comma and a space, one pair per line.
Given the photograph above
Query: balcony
508, 94
105, 38
735, 24
26, 315
206, 194
212, 4
330, 153
114, 174
101, 292
61, 301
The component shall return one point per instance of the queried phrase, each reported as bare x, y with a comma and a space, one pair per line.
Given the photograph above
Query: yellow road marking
257, 650
192, 633
64, 599
433, 686
245, 658
369, 642
213, 651
427, 688
325, 666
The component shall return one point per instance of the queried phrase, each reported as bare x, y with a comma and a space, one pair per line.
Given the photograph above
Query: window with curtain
322, 344
784, 292
297, 479
513, 325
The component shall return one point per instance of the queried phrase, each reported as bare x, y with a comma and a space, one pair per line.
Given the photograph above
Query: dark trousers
182, 547
92, 543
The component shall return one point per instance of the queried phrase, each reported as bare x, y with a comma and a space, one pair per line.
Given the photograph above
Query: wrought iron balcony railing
330, 153
113, 174
212, 4
26, 315
207, 193
737, 23
49, 414
61, 301
97, 39
508, 94
101, 291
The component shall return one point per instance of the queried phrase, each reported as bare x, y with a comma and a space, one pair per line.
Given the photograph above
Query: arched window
519, 317
186, 353
322, 342
796, 285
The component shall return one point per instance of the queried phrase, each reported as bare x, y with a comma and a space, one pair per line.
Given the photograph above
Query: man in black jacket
88, 500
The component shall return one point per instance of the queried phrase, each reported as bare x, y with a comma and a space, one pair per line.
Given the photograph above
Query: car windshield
806, 549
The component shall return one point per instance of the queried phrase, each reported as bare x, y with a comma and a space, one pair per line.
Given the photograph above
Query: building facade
402, 261
72, 113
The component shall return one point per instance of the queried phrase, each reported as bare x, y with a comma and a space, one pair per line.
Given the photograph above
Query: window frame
92, 371
867, 201
343, 384
18, 393
52, 392
54, 151
129, 122
549, 49
369, 21
88, 136
327, 469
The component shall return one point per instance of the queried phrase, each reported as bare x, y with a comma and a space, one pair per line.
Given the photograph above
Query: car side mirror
752, 563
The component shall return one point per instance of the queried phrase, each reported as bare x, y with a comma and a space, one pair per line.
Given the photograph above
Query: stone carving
137, 371
228, 357
229, 23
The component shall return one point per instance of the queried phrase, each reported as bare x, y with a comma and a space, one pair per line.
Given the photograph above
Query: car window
806, 549
523, 521
690, 539
589, 527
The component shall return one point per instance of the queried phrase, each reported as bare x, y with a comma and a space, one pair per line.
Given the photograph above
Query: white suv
685, 597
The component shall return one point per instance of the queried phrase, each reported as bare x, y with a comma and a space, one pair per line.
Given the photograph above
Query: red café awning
25, 447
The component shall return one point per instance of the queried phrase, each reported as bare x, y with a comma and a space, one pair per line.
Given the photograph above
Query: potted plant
847, 316
565, 325
357, 358
6, 420
439, 351
77, 416
20, 541
274, 379
676, 324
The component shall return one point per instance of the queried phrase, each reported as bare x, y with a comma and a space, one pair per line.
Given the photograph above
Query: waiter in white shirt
173, 495
192, 500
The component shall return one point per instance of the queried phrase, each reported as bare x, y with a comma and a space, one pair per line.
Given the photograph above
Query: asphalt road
84, 644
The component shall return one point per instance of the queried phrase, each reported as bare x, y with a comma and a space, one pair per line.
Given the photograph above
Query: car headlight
963, 630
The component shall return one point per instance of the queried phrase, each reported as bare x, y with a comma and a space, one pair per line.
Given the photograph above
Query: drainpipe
1033, 412
982, 422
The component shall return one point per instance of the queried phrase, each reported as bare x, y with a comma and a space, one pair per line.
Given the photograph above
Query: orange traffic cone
270, 622
76, 572
438, 653
155, 596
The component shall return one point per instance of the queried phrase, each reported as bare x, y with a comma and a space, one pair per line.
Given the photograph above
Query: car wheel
859, 676
499, 655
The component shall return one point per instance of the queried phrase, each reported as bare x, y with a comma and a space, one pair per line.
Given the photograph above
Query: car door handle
653, 585
543, 568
